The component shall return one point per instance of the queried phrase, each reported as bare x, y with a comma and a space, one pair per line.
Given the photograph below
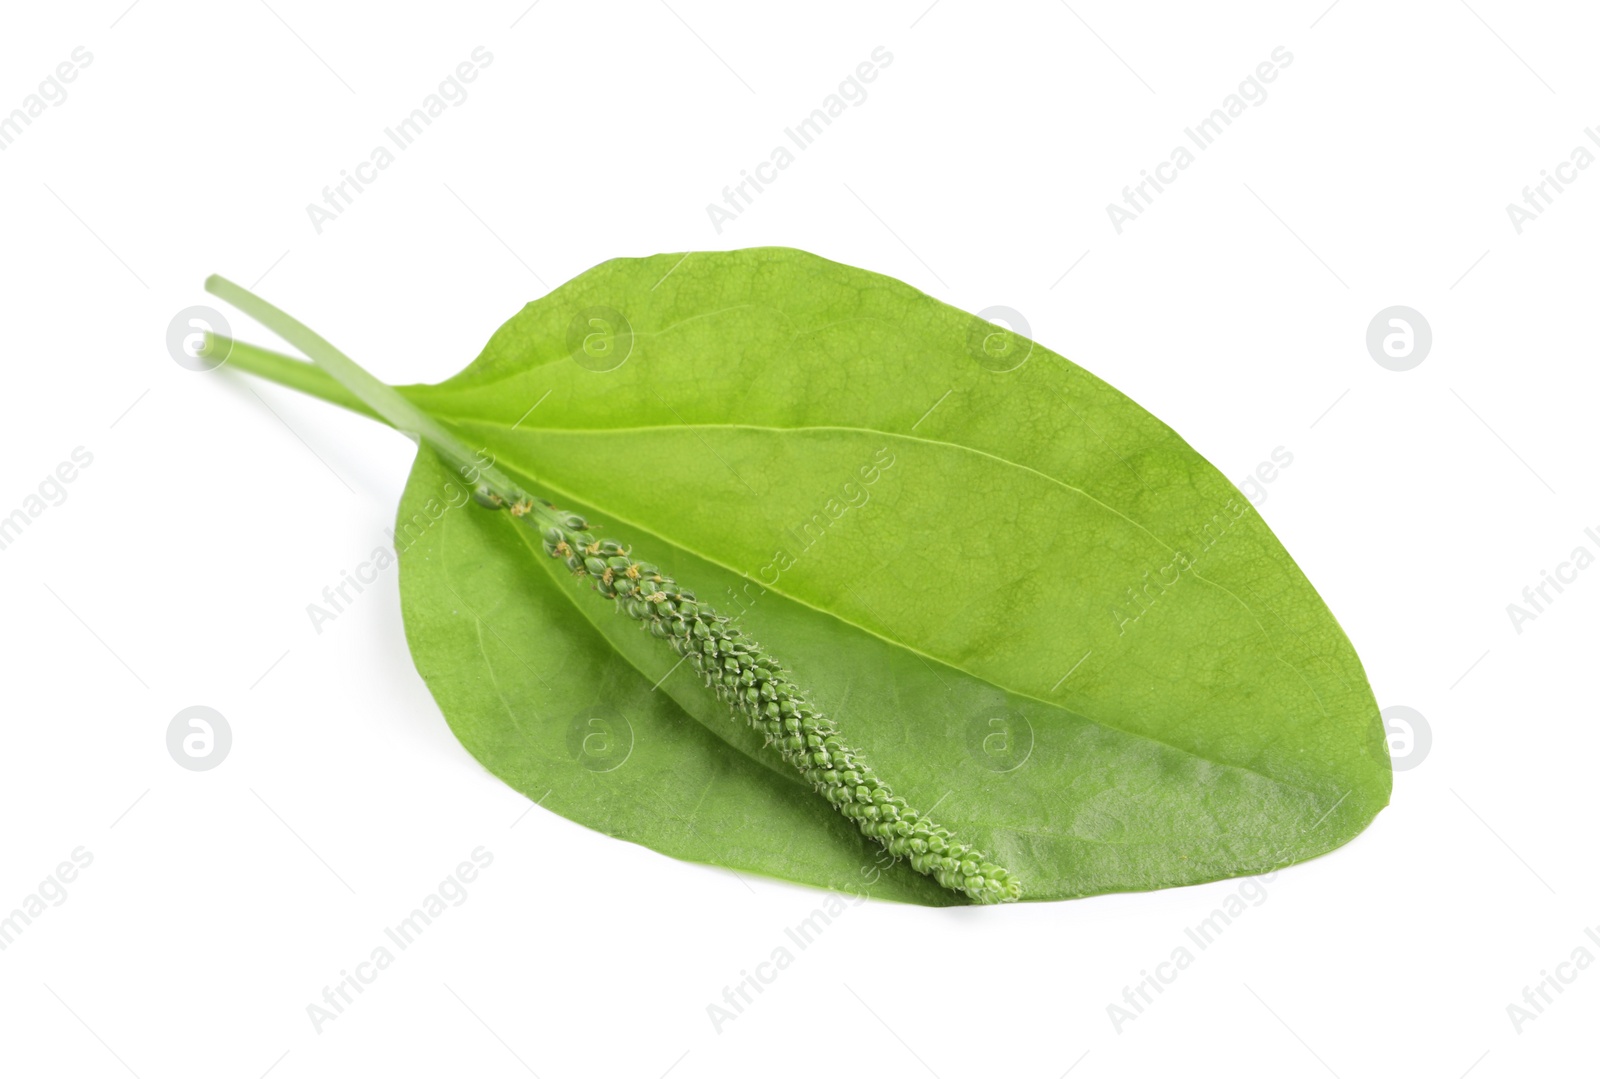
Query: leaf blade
779, 337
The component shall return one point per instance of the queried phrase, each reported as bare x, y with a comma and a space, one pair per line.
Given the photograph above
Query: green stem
378, 396
308, 378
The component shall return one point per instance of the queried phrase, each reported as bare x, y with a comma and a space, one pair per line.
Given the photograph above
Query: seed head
755, 688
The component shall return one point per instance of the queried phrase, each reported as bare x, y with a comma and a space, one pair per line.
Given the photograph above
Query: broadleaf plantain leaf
1045, 618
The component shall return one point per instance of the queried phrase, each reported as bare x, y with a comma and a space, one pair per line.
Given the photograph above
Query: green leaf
1041, 615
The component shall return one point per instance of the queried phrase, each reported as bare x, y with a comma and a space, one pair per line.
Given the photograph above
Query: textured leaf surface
1038, 611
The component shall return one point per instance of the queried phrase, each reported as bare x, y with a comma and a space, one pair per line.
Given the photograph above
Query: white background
178, 569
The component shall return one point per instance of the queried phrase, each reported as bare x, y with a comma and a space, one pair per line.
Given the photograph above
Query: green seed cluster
756, 687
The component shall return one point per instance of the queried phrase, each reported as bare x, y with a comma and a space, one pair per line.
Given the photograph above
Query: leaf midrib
940, 443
